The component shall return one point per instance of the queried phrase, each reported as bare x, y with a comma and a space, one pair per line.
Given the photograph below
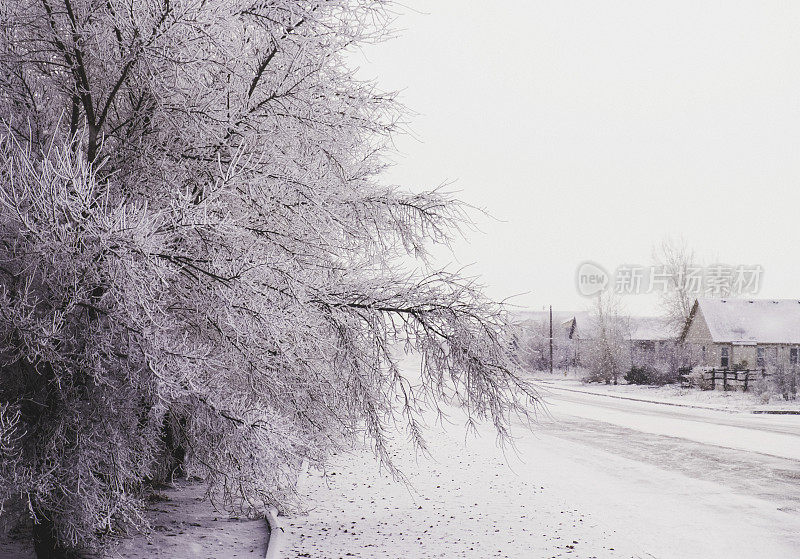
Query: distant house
652, 342
534, 327
649, 339
748, 333
650, 332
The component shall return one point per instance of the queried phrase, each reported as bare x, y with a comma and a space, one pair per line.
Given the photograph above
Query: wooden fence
728, 379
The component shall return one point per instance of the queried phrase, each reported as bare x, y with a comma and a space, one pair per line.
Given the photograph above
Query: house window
760, 356
793, 356
724, 358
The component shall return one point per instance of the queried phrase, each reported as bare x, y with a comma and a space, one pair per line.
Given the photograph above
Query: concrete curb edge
678, 404
618, 397
276, 534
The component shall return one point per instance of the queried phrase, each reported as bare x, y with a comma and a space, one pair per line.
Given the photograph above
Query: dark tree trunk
45, 543
175, 451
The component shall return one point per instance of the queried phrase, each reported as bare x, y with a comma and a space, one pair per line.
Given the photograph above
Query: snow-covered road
598, 477
777, 435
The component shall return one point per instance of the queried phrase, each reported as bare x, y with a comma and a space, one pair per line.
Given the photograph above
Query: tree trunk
45, 543
174, 450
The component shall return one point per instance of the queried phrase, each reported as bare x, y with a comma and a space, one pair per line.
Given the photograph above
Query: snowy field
598, 477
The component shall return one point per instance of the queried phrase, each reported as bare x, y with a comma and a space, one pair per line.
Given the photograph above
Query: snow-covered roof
559, 317
562, 321
765, 321
650, 328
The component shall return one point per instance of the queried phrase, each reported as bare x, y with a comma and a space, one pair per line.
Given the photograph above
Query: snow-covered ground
184, 526
628, 479
598, 477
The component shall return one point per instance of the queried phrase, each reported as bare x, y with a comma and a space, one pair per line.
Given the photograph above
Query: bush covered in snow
780, 381
649, 374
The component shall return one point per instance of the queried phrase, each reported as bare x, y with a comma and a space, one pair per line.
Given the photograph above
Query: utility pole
551, 339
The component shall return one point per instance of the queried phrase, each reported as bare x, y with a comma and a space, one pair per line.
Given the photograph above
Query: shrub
637, 375
648, 374
696, 378
779, 381
784, 380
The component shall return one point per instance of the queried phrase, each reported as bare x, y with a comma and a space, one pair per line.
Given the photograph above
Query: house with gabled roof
744, 333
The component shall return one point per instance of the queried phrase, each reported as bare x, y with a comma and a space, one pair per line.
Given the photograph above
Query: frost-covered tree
200, 269
607, 354
533, 346
675, 260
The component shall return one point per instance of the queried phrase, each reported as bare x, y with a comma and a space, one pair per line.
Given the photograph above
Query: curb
698, 407
276, 532
676, 404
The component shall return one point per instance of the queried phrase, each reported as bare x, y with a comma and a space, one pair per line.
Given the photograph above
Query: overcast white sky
594, 129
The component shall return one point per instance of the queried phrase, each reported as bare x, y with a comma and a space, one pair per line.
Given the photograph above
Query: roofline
653, 339
748, 299
689, 320
696, 306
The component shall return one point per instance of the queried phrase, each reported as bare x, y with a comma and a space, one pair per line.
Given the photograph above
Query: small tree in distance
200, 268
675, 260
607, 356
